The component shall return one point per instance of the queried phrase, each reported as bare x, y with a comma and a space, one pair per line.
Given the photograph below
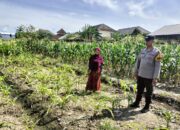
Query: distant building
59, 34
104, 30
168, 33
7, 36
133, 31
64, 37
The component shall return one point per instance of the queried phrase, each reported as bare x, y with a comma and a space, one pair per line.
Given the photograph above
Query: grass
11, 107
107, 125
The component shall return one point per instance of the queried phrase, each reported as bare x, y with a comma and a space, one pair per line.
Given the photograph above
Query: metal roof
104, 27
168, 30
125, 31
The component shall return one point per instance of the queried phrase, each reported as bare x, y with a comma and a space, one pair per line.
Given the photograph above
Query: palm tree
89, 33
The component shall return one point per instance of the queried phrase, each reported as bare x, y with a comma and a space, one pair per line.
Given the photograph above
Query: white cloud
86, 15
111, 4
141, 9
72, 13
53, 21
140, 13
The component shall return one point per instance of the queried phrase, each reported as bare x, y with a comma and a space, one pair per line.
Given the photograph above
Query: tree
30, 29
116, 36
21, 28
25, 32
89, 33
136, 32
30, 32
41, 34
20, 31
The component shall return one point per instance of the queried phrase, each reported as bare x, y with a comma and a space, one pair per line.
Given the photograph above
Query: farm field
42, 87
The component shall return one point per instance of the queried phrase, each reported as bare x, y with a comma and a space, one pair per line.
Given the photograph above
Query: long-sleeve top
95, 63
146, 65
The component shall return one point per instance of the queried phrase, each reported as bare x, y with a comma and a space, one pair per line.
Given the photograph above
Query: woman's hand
154, 82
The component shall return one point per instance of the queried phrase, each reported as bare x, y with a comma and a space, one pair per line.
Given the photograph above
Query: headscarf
98, 58
98, 49
96, 61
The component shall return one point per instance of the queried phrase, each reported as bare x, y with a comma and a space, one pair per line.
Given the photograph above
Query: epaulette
159, 56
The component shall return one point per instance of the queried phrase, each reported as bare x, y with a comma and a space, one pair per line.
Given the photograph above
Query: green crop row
119, 57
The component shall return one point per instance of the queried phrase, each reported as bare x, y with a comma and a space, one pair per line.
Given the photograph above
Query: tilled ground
24, 108
77, 117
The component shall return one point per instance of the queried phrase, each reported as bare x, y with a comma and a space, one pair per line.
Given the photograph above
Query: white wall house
105, 31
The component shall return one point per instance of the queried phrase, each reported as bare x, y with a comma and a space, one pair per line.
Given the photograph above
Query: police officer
147, 70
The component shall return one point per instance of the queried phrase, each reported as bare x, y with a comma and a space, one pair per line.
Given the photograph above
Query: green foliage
89, 33
4, 124
30, 32
168, 116
116, 104
119, 58
116, 36
130, 98
102, 104
54, 82
5, 89
60, 101
25, 32
44, 34
107, 126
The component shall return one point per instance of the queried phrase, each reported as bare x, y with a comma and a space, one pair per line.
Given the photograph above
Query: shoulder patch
159, 56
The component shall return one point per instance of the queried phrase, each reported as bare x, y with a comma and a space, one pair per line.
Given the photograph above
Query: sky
72, 15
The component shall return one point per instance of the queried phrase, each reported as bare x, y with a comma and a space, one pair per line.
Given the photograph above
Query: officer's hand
154, 82
136, 76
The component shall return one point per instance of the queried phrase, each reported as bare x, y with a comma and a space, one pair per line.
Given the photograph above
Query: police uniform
147, 68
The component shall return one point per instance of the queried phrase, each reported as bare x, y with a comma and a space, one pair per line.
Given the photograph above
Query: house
59, 34
7, 36
64, 37
133, 31
168, 33
104, 30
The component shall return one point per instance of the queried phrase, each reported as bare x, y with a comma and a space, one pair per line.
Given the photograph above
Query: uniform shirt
146, 66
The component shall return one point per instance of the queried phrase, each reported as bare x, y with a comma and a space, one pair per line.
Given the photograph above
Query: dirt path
169, 98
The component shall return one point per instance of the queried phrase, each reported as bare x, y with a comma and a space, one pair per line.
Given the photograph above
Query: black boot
145, 109
134, 105
137, 101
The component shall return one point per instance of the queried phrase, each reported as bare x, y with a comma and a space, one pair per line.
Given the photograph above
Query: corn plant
168, 116
101, 104
119, 57
5, 89
130, 98
60, 101
116, 104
